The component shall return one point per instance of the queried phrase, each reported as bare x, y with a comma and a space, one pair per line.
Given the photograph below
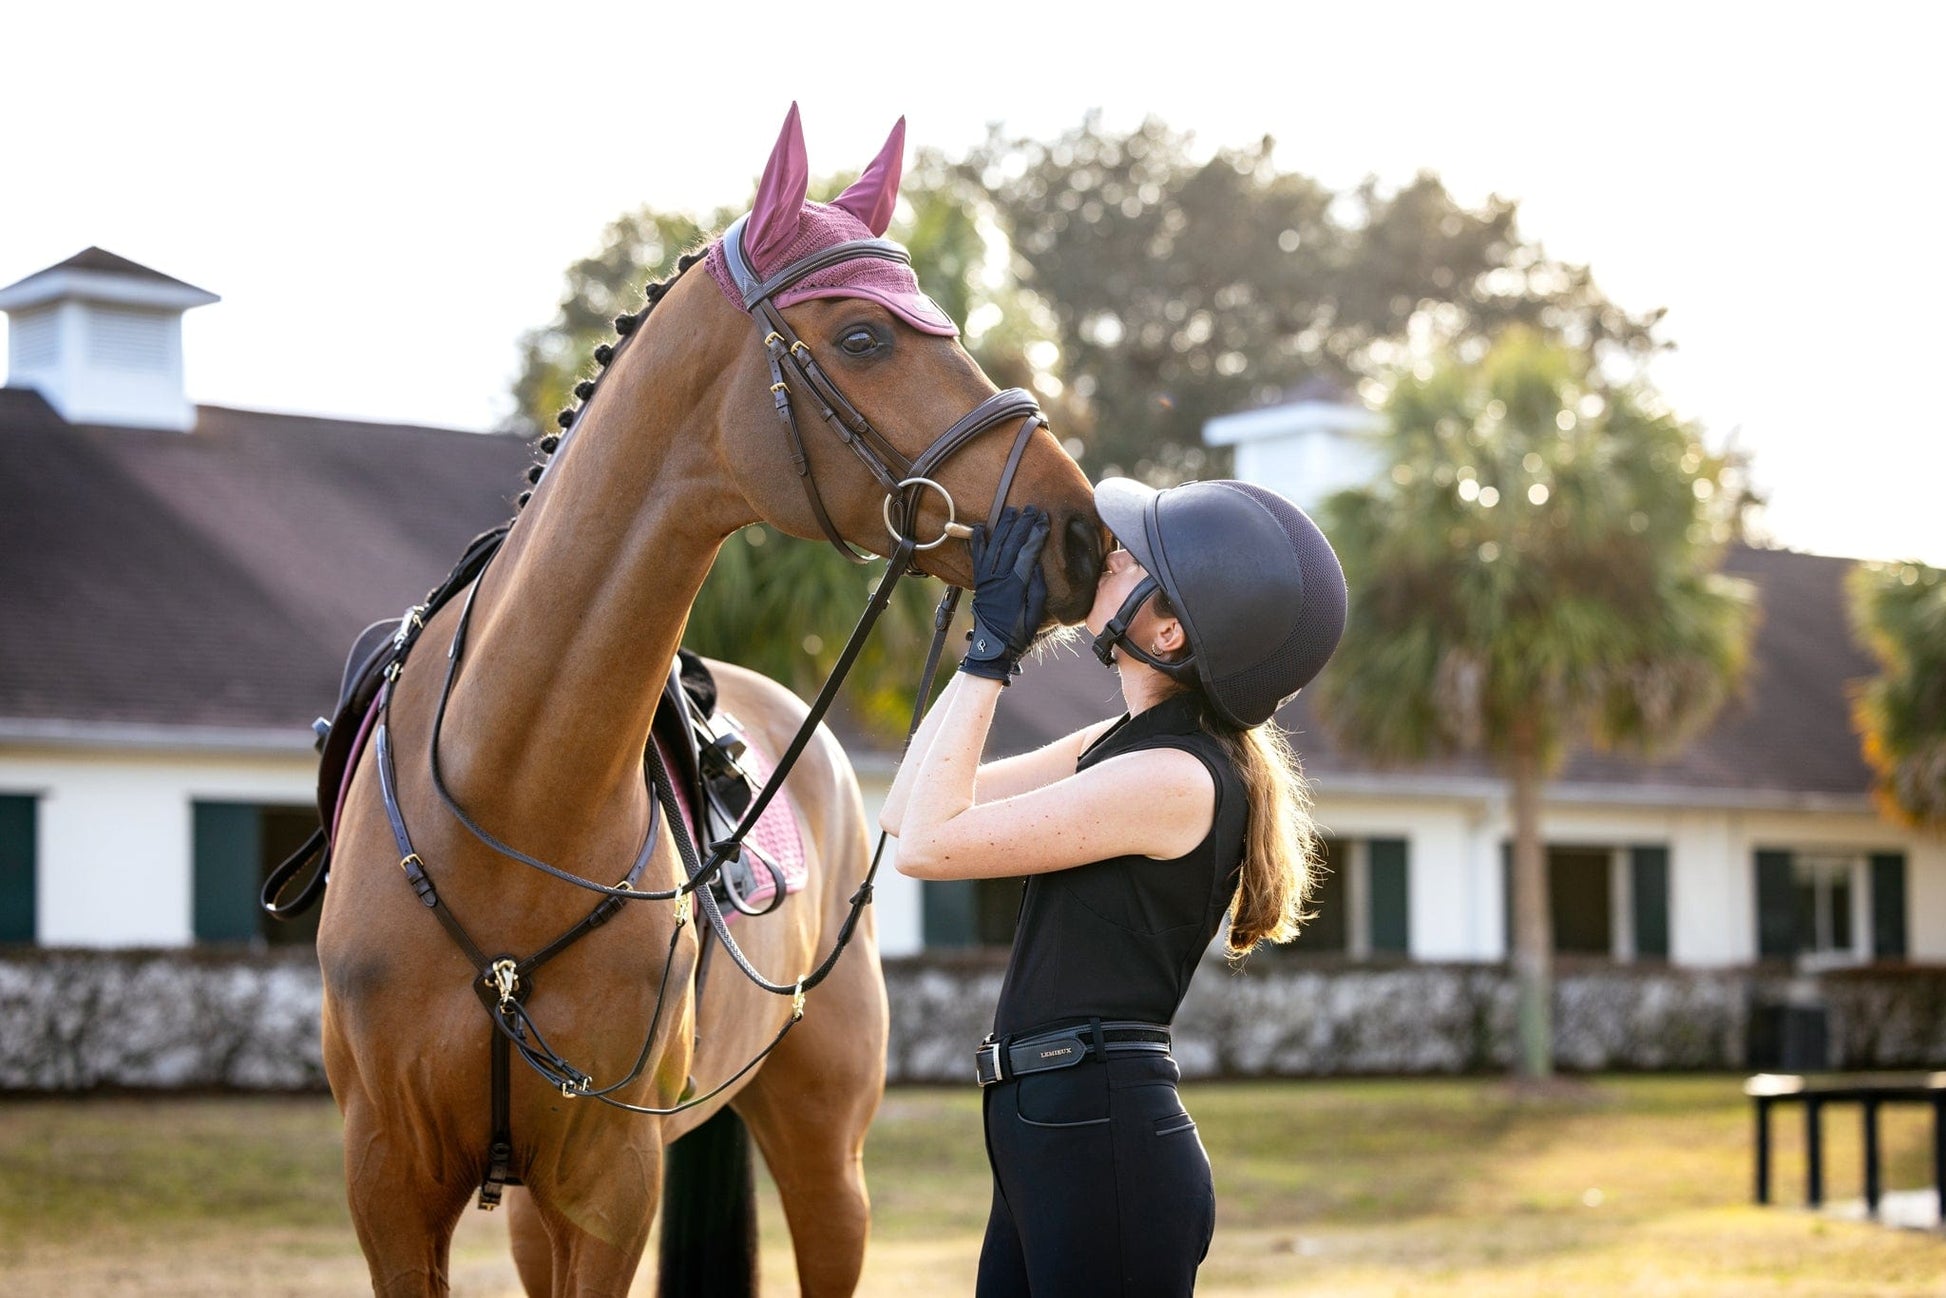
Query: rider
1138, 836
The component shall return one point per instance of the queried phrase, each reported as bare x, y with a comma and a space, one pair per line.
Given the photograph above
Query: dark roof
217, 577
1789, 733
103, 260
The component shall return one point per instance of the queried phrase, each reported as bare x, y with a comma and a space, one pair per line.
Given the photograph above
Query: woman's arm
1010, 776
893, 812
1157, 802
994, 780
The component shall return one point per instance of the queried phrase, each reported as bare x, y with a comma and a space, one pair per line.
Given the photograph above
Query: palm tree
1537, 571
1898, 612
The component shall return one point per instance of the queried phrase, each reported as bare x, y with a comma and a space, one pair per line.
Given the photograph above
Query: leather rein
504, 981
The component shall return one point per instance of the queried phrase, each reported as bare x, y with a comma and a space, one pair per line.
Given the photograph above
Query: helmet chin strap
1116, 633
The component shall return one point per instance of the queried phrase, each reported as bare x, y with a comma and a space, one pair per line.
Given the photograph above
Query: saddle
701, 747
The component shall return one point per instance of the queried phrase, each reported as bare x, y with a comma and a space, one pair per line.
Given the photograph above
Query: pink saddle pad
775, 835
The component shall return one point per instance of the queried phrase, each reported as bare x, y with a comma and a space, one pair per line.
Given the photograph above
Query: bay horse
538, 729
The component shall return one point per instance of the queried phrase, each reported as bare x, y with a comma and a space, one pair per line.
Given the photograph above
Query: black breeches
1101, 1187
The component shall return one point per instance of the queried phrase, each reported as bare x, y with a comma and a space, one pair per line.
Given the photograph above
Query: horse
528, 740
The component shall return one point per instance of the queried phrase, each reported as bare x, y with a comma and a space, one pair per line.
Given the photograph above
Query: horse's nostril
1084, 550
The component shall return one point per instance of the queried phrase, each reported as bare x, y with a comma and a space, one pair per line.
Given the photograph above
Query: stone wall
78, 1020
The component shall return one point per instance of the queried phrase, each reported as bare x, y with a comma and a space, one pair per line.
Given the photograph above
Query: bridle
903, 480
503, 982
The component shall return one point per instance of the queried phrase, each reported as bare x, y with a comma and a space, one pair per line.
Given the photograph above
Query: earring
1155, 647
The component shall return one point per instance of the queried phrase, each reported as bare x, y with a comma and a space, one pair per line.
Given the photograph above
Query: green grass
1616, 1186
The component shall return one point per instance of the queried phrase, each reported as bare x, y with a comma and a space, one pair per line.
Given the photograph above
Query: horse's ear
780, 195
871, 199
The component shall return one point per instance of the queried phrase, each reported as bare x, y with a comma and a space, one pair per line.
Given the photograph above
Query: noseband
792, 366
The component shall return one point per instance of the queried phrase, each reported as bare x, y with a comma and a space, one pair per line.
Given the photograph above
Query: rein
504, 982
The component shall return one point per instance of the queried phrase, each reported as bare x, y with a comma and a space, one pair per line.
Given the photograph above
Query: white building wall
1925, 884
115, 854
1712, 890
114, 850
898, 900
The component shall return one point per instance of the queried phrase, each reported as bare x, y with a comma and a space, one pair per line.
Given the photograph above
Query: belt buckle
986, 1062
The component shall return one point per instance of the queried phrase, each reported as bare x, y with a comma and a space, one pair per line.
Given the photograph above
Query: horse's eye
859, 342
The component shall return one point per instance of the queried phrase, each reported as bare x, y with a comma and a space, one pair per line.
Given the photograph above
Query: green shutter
1888, 906
1387, 875
1649, 888
948, 911
228, 856
18, 869
1776, 907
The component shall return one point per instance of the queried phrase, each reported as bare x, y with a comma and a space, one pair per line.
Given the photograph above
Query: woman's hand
1009, 592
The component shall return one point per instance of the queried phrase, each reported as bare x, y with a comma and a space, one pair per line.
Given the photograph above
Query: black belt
1001, 1059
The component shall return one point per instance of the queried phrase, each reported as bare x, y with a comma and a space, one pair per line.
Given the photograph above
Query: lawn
1630, 1186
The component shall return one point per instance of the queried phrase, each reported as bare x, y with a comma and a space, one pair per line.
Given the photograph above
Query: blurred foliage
1185, 288
1898, 613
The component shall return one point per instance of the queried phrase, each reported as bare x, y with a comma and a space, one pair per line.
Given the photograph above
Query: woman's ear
1169, 638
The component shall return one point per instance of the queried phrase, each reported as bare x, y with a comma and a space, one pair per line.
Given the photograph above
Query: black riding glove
1009, 592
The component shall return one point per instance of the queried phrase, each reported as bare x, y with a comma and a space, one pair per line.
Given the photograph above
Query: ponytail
1281, 853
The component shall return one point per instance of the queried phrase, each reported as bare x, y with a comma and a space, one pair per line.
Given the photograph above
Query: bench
1868, 1090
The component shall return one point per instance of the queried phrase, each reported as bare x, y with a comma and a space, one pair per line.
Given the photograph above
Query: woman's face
1120, 574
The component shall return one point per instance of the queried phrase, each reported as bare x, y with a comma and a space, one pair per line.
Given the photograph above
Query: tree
1537, 571
1186, 288
1898, 613
772, 603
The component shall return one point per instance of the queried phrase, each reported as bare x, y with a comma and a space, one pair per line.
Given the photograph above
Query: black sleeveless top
1121, 938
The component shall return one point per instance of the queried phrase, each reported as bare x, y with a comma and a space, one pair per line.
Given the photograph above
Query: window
236, 845
1603, 901
1580, 892
1822, 910
1830, 907
1361, 901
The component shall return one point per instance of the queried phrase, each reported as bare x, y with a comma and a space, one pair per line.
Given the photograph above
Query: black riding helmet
1256, 586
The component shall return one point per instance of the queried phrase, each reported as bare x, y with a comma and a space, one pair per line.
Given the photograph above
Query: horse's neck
577, 622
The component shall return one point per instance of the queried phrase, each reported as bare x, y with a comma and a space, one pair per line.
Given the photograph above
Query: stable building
181, 583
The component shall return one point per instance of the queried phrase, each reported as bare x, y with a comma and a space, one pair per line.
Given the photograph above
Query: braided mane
584, 391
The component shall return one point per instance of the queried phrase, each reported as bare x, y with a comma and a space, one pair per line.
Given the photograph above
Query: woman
1138, 836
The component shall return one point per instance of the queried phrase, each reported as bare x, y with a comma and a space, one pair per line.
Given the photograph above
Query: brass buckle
505, 980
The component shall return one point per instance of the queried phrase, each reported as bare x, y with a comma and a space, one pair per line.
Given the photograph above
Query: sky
387, 195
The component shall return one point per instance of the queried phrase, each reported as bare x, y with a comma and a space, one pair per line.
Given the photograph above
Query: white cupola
101, 338
1318, 441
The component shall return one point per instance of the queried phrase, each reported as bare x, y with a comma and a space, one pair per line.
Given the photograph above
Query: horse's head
870, 374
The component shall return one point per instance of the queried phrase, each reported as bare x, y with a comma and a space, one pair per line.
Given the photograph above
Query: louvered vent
35, 340
129, 340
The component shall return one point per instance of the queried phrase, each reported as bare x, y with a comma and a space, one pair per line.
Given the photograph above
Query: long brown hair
1282, 854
